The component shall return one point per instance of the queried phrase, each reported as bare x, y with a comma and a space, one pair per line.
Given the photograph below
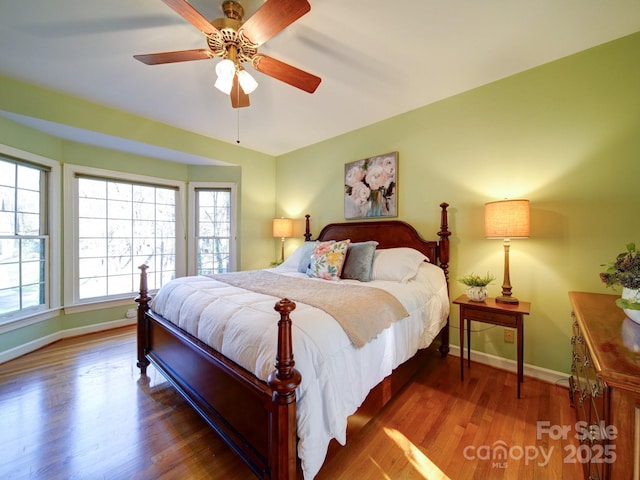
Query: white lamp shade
226, 68
282, 227
507, 219
224, 84
247, 82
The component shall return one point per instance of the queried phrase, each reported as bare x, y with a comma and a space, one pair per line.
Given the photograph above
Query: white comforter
336, 377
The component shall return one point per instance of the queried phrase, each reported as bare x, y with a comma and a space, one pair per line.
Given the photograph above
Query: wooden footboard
256, 419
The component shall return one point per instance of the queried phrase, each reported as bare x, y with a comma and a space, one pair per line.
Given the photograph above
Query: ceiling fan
237, 43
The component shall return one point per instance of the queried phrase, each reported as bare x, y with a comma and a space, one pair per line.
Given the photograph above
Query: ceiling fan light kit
247, 82
226, 68
237, 43
224, 84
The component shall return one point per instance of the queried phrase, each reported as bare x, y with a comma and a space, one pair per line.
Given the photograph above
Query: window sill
100, 305
9, 324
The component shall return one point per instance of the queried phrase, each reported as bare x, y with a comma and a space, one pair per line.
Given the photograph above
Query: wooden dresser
605, 387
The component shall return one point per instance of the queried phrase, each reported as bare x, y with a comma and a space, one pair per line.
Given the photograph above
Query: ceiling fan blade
172, 57
286, 73
239, 99
191, 15
272, 17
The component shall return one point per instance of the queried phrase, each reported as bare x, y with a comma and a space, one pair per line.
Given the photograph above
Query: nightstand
490, 311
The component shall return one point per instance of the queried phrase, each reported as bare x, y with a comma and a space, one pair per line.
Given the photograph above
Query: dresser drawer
490, 317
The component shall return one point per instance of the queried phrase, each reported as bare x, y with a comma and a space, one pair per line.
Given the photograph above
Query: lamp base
505, 299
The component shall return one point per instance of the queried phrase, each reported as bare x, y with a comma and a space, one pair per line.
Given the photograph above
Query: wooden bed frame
257, 419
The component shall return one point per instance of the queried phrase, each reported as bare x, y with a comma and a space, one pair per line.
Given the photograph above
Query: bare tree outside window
213, 230
23, 237
122, 225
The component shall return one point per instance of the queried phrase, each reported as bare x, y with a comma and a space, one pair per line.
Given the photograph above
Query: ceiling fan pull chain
238, 126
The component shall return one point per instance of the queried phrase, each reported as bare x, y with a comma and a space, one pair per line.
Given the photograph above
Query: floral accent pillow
327, 259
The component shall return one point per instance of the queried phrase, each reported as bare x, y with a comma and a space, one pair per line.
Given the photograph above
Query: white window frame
72, 302
51, 308
193, 242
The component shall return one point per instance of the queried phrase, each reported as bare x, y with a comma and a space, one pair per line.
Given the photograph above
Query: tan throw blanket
363, 312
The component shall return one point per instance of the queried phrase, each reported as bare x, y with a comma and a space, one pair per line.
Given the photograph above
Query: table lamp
507, 219
283, 228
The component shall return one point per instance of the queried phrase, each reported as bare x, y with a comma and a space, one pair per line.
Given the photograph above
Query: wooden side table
490, 311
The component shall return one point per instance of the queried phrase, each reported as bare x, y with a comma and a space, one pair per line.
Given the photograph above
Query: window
26, 223
120, 224
213, 231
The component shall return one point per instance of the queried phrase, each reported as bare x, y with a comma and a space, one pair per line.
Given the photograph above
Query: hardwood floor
79, 409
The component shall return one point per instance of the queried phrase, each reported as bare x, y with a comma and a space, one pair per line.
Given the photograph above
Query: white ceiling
376, 59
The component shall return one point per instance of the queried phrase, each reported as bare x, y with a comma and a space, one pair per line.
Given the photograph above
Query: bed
276, 412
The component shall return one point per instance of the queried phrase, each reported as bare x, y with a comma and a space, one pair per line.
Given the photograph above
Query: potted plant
477, 286
625, 272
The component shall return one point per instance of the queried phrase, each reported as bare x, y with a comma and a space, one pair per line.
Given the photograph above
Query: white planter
630, 333
477, 294
633, 295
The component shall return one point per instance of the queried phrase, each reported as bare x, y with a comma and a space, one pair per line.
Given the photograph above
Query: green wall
564, 135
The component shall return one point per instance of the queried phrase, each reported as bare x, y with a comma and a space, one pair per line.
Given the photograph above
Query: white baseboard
72, 332
539, 373
544, 374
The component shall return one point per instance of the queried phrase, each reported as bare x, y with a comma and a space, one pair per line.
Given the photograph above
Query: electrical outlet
508, 335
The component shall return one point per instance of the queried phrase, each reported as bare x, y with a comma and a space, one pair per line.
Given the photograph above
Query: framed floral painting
370, 187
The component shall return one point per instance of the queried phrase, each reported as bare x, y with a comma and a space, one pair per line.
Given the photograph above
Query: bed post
143, 300
443, 254
283, 381
307, 228
443, 244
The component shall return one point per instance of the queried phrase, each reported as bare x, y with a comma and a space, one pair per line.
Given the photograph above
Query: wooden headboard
392, 234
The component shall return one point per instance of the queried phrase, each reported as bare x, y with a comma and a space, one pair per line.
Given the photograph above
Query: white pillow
431, 276
305, 256
293, 260
397, 264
